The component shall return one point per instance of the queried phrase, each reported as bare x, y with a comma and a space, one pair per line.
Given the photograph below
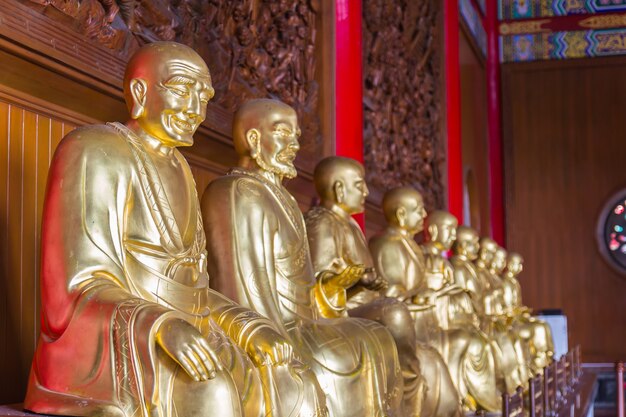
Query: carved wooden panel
401, 97
254, 48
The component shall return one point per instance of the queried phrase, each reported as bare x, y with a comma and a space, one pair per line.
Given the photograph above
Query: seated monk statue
537, 332
338, 245
257, 243
455, 313
129, 325
518, 336
486, 305
401, 262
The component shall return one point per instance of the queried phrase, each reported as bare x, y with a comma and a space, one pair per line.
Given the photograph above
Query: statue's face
472, 246
354, 191
515, 266
415, 215
486, 254
278, 144
499, 261
176, 98
446, 234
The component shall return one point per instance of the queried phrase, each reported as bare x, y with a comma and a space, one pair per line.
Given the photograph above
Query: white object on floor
558, 325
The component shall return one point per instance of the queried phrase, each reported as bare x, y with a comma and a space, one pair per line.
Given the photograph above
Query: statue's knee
195, 398
397, 316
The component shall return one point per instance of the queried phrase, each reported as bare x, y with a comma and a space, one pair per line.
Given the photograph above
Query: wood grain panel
26, 142
564, 156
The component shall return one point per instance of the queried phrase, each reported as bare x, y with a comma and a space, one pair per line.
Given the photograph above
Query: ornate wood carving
254, 48
401, 97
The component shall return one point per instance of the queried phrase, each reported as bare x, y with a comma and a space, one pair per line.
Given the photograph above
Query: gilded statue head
467, 243
167, 86
341, 181
404, 208
441, 228
514, 264
266, 133
488, 248
499, 260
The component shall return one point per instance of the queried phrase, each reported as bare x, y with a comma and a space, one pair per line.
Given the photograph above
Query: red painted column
494, 117
453, 108
348, 82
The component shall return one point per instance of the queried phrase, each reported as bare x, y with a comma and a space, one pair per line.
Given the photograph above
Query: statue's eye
178, 92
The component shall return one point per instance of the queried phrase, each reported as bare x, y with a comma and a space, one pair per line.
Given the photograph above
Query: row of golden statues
321, 323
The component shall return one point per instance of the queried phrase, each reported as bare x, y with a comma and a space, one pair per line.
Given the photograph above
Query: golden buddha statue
456, 316
492, 288
536, 333
257, 241
401, 262
131, 327
338, 245
508, 347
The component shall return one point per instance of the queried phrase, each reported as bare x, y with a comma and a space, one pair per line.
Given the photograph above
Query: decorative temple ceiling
532, 30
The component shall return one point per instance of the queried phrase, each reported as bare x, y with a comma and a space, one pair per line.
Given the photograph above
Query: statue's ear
401, 216
253, 138
432, 231
339, 192
138, 88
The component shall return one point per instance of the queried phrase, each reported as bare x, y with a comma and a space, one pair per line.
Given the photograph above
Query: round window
611, 232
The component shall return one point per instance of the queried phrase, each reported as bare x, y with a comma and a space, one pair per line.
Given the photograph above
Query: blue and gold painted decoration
473, 20
563, 45
529, 9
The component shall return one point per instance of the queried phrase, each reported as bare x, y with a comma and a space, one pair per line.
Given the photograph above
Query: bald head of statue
167, 86
341, 181
266, 134
499, 260
514, 264
488, 248
441, 228
467, 242
403, 207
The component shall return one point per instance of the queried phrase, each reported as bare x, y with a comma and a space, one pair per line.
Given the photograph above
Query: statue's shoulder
385, 238
318, 214
241, 187
102, 142
385, 242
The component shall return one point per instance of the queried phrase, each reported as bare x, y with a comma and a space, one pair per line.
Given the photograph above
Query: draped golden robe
336, 242
400, 260
536, 334
115, 264
507, 347
257, 240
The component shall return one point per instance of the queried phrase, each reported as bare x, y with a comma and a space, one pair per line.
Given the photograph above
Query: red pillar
453, 108
496, 173
348, 82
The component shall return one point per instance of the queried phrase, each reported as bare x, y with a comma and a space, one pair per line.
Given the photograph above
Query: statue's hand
183, 343
372, 281
348, 277
268, 347
425, 297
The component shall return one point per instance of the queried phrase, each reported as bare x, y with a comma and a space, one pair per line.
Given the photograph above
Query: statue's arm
391, 266
240, 227
324, 244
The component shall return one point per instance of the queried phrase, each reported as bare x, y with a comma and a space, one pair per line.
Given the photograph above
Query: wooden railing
554, 393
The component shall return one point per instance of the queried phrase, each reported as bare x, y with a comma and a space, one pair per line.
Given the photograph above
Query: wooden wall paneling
26, 141
564, 155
